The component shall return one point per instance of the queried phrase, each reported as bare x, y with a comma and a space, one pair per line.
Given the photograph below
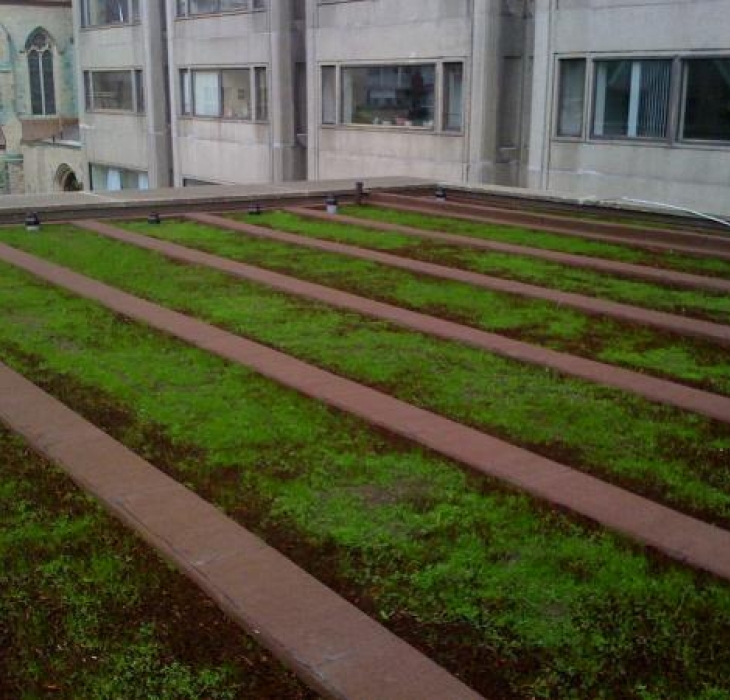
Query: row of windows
228, 93
115, 90
669, 99
394, 95
186, 8
105, 178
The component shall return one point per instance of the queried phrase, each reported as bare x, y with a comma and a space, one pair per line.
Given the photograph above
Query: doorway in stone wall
66, 180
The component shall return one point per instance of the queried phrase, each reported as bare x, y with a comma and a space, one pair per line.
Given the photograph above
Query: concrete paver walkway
663, 391
329, 643
651, 239
707, 330
679, 536
670, 278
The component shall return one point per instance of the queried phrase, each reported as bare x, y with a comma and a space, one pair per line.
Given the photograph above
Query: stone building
40, 149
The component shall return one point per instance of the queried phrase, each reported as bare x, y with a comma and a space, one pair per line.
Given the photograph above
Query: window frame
186, 108
132, 12
137, 91
439, 106
39, 54
668, 136
683, 70
182, 9
586, 109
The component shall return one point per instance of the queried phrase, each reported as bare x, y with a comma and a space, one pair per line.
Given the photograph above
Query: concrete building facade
601, 98
40, 150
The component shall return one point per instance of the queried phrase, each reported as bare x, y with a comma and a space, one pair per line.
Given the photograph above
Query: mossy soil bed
88, 611
700, 265
705, 305
666, 454
694, 362
520, 600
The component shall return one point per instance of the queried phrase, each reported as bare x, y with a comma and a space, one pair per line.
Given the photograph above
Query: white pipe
675, 208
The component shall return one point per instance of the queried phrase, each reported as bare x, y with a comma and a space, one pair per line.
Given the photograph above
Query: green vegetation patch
654, 450
707, 305
88, 611
695, 362
523, 601
547, 241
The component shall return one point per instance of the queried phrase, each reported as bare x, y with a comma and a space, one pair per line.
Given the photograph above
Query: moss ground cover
87, 611
662, 453
691, 361
715, 307
522, 601
548, 241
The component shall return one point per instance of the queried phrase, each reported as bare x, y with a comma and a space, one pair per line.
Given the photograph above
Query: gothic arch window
40, 73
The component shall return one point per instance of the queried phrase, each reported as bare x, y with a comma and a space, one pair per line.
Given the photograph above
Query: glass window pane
182, 8
229, 5
261, 4
262, 95
453, 96
388, 95
135, 10
707, 99
206, 93
36, 88
236, 93
113, 90
632, 98
572, 95
87, 91
49, 94
203, 7
329, 95
139, 90
185, 92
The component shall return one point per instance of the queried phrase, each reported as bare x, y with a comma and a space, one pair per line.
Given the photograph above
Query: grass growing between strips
88, 611
662, 453
522, 601
707, 305
547, 241
695, 362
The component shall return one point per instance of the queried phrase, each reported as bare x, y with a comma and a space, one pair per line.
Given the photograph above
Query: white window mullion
600, 108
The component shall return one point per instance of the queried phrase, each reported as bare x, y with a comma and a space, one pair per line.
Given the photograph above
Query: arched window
40, 72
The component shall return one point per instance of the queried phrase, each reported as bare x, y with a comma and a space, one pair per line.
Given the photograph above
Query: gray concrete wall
233, 151
695, 175
395, 32
122, 139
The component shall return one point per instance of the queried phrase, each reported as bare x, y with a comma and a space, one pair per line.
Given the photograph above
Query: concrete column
286, 153
157, 99
173, 89
313, 91
83, 177
485, 85
542, 88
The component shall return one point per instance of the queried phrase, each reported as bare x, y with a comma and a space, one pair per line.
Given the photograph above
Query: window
104, 178
40, 74
389, 95
230, 93
706, 113
329, 95
96, 13
453, 119
186, 8
117, 90
262, 95
632, 98
572, 80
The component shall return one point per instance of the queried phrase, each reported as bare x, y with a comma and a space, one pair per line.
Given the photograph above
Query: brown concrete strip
671, 278
679, 536
703, 402
333, 646
673, 323
651, 239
